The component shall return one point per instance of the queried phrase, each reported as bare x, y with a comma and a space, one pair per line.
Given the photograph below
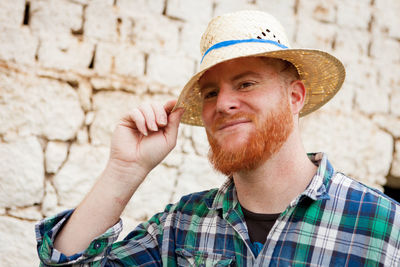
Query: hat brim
321, 73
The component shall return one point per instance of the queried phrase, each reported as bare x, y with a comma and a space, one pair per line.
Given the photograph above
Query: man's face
246, 112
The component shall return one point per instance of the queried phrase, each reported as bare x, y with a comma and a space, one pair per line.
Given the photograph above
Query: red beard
261, 144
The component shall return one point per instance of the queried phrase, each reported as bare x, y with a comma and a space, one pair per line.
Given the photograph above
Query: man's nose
227, 100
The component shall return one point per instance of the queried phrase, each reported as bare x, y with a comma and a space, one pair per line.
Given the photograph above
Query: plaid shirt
336, 221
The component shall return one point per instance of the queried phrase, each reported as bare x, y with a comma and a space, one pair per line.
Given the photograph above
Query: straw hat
256, 33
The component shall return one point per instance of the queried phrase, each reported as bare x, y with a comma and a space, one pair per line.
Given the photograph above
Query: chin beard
261, 144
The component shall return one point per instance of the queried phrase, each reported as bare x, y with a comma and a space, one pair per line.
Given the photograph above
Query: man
278, 205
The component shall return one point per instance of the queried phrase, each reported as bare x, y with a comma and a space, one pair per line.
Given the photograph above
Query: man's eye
245, 85
210, 94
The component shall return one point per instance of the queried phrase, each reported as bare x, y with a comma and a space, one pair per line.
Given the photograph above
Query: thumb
171, 130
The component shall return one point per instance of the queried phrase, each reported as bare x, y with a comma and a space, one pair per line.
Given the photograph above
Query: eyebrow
233, 79
244, 74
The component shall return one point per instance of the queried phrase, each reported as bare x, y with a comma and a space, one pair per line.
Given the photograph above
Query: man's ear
297, 95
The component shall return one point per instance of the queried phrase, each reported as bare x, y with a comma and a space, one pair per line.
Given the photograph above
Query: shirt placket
235, 220
264, 258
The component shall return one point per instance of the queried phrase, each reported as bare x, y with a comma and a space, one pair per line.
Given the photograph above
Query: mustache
226, 119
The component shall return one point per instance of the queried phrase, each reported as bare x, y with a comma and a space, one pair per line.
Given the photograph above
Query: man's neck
273, 185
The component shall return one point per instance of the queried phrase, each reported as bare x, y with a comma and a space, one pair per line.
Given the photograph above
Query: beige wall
78, 65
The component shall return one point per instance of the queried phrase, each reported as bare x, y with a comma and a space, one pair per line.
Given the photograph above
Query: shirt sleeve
46, 231
141, 247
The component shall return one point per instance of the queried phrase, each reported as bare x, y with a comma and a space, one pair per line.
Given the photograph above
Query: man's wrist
124, 172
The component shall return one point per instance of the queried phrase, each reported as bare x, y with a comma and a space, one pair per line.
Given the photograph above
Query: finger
171, 131
161, 114
149, 117
139, 121
170, 105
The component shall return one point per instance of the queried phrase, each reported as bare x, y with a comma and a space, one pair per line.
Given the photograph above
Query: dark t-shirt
259, 225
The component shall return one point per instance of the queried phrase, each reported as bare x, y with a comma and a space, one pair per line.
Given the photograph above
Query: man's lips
228, 124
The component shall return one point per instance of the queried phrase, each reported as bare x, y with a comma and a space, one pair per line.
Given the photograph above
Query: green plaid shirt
336, 221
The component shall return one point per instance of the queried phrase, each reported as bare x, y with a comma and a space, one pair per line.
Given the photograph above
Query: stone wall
70, 68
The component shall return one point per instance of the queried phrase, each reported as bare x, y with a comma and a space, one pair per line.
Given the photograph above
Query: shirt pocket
191, 257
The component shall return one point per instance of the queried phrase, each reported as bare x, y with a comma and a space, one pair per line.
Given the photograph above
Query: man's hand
141, 141
145, 136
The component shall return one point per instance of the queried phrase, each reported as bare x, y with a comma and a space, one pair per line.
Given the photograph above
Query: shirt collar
317, 188
226, 197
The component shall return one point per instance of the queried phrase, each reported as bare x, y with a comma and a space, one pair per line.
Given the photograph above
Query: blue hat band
233, 42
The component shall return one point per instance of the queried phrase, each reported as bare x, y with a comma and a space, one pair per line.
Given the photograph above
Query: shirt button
97, 245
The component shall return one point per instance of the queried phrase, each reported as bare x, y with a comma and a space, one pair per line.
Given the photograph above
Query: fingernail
154, 127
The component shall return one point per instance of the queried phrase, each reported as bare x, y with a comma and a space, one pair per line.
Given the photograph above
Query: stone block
160, 98
89, 118
371, 101
129, 224
129, 61
284, 13
50, 199
188, 10
369, 96
81, 2
351, 44
53, 109
18, 45
385, 44
104, 58
12, 13
389, 123
125, 27
84, 165
343, 101
155, 33
153, 194
85, 94
113, 82
56, 153
133, 8
354, 14
55, 18
185, 138
388, 75
190, 39
187, 147
104, 29
109, 108
315, 35
386, 18
186, 130
17, 242
21, 173
196, 174
171, 70
82, 136
360, 74
395, 170
65, 53
323, 11
175, 157
200, 142
124, 59
32, 213
395, 101
227, 6
354, 144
